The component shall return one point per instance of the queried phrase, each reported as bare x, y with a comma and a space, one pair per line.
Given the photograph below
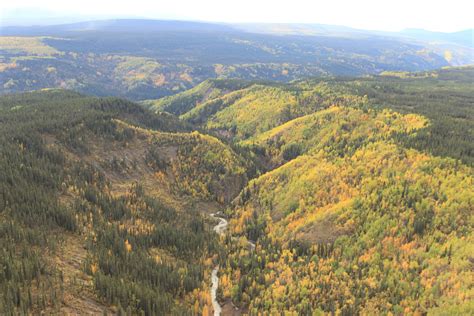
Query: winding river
219, 229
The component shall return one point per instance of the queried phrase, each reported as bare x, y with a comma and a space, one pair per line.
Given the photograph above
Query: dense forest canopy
113, 186
343, 196
243, 112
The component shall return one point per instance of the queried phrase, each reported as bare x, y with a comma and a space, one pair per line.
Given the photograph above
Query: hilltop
246, 112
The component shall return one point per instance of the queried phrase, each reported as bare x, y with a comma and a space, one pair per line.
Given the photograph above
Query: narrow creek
220, 229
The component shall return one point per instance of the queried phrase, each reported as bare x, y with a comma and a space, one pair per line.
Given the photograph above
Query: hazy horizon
364, 15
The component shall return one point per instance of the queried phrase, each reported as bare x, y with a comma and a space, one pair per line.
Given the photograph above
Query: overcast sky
388, 15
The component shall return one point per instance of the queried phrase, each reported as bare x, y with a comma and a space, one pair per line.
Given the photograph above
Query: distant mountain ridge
115, 25
147, 59
465, 37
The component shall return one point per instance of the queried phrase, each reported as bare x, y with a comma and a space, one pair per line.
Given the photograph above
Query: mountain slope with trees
99, 202
343, 195
363, 209
444, 96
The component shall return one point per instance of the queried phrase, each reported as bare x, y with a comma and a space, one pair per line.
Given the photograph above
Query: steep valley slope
103, 206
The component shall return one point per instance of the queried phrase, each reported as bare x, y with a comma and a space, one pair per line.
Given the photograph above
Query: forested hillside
367, 204
444, 96
355, 225
100, 205
342, 195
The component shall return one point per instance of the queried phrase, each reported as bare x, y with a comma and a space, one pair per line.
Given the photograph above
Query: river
220, 229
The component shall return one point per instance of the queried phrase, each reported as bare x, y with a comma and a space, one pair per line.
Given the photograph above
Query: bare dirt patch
324, 231
78, 298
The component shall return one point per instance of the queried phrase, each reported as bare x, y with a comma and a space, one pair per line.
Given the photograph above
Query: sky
384, 15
